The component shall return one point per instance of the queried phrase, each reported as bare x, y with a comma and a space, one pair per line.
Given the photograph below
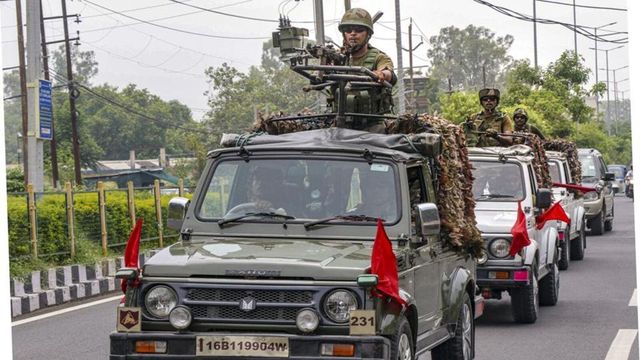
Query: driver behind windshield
378, 194
265, 189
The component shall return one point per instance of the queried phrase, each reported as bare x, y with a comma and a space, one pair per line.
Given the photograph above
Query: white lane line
621, 345
634, 298
63, 311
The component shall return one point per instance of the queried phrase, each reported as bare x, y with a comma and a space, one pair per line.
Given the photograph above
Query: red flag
555, 212
132, 251
519, 233
583, 189
383, 264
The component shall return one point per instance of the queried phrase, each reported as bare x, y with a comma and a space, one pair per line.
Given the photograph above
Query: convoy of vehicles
572, 236
620, 171
598, 204
504, 180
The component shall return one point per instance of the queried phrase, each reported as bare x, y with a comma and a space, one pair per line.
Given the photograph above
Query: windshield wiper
495, 196
221, 222
340, 217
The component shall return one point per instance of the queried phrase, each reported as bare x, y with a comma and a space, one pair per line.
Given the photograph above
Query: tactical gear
489, 93
476, 128
356, 16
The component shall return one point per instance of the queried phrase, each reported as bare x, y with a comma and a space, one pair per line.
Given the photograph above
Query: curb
55, 286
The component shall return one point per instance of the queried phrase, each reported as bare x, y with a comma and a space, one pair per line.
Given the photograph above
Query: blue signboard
45, 110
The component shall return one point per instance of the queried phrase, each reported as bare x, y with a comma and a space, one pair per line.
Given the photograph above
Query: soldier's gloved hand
380, 75
469, 124
492, 133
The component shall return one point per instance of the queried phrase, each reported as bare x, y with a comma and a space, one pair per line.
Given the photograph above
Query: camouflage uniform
377, 100
477, 124
526, 127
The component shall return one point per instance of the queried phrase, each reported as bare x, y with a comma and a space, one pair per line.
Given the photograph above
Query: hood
495, 221
273, 258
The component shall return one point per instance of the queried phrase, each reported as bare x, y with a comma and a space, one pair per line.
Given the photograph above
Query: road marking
63, 311
634, 298
621, 345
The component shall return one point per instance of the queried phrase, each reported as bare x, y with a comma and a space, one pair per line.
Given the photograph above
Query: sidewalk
65, 284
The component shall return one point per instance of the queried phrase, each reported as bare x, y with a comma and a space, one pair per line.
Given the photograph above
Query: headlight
180, 317
307, 320
591, 195
499, 248
160, 300
483, 258
339, 304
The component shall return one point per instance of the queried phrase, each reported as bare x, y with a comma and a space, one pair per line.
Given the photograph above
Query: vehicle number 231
362, 322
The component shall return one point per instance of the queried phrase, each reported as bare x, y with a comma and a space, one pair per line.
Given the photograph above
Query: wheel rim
467, 331
535, 289
404, 347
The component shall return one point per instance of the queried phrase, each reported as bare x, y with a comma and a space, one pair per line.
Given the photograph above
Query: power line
176, 29
223, 13
583, 6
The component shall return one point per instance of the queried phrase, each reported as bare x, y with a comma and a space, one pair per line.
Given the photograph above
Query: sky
170, 63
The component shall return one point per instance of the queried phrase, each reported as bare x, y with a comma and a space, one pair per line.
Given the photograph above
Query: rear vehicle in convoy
598, 204
504, 177
275, 252
619, 172
573, 240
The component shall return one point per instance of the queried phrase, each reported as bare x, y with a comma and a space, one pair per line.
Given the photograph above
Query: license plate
263, 346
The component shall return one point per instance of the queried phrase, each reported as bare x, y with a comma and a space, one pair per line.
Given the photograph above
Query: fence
57, 225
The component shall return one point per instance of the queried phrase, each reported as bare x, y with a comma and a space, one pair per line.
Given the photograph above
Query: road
594, 306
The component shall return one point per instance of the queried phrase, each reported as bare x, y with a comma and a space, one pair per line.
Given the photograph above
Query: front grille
268, 296
234, 313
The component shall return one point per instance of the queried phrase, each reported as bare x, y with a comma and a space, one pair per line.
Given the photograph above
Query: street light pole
595, 40
606, 51
535, 36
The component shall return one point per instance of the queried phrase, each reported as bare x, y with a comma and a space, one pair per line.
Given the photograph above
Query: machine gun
351, 90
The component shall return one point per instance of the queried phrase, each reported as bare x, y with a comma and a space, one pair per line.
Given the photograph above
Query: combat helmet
356, 16
489, 92
521, 111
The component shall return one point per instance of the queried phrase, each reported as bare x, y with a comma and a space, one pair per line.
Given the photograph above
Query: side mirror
427, 220
544, 198
177, 210
609, 176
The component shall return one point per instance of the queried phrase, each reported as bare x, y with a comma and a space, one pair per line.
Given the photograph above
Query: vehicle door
574, 211
427, 286
534, 233
607, 190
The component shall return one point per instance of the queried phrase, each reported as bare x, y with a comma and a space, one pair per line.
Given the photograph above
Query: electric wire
583, 6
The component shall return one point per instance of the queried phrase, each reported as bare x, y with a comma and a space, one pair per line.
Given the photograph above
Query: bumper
502, 278
183, 346
592, 208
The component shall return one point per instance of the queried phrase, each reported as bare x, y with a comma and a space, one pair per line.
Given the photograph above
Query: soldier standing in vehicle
484, 129
356, 27
521, 118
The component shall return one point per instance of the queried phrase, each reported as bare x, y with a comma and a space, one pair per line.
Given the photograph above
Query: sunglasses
489, 98
356, 28
519, 117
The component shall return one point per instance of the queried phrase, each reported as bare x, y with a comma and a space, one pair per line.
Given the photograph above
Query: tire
597, 223
524, 301
402, 347
578, 244
565, 251
550, 286
461, 346
608, 224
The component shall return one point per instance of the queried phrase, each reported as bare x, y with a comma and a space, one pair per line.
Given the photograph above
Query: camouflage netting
540, 161
570, 149
456, 203
455, 198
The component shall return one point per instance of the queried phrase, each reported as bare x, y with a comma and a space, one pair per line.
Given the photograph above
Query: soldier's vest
483, 124
377, 100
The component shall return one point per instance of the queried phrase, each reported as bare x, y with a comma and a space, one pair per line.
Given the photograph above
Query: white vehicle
504, 177
572, 237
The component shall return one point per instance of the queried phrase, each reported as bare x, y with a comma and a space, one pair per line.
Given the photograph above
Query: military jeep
573, 238
502, 178
275, 254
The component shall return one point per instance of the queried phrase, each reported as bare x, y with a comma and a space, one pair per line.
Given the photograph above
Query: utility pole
412, 99
595, 39
35, 169
45, 64
535, 36
575, 31
72, 101
399, 51
318, 17
606, 51
23, 93
347, 5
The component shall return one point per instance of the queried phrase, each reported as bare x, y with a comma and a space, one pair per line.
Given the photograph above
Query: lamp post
607, 65
615, 95
595, 40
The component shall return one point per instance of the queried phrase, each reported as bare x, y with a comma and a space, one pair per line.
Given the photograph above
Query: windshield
496, 181
588, 165
617, 170
301, 189
554, 172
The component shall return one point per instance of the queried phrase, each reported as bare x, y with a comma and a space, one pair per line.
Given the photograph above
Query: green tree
469, 57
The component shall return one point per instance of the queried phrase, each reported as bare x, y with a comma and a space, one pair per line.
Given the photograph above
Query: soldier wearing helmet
356, 27
521, 118
484, 128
